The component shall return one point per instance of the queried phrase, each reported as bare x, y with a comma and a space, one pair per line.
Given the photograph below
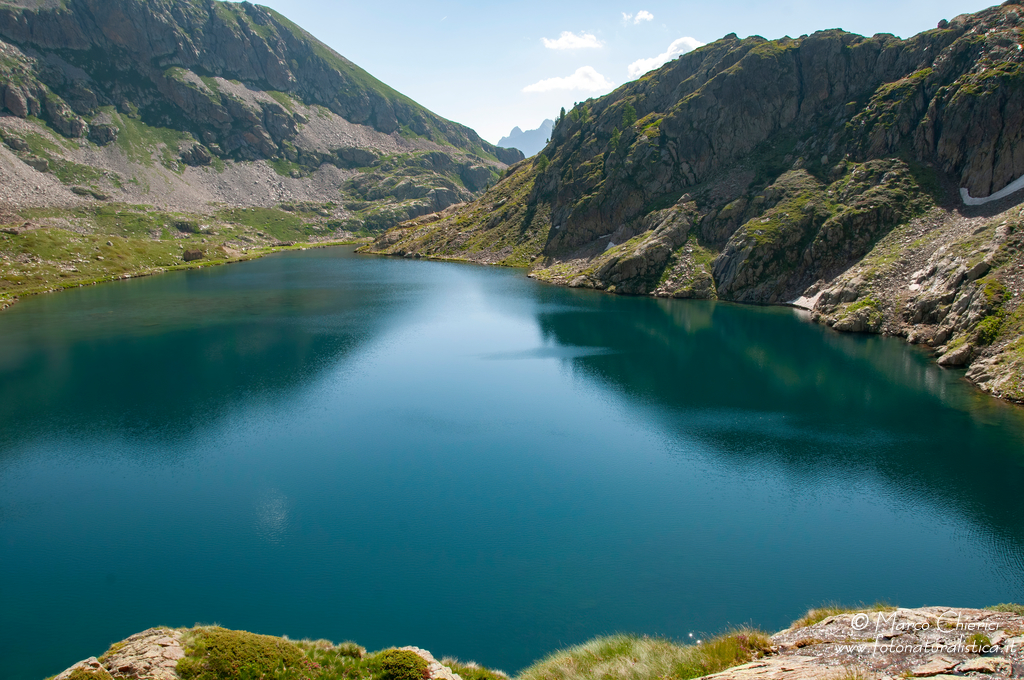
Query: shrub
401, 664
988, 330
90, 674
351, 649
613, 143
628, 115
980, 641
219, 654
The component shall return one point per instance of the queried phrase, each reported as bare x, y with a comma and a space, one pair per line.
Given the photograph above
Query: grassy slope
106, 242
502, 227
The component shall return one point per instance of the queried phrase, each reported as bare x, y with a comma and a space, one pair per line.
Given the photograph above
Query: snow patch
1016, 185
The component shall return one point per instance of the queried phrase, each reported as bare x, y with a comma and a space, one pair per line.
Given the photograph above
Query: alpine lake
330, 445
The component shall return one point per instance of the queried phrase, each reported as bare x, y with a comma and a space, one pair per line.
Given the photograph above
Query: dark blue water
328, 445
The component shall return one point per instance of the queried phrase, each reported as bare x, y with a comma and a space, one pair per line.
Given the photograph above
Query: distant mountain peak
529, 142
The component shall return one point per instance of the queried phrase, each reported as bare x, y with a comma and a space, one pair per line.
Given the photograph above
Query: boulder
196, 155
190, 255
353, 157
957, 357
16, 143
14, 100
103, 134
36, 163
990, 665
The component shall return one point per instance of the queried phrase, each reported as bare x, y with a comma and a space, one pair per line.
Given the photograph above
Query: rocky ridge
836, 172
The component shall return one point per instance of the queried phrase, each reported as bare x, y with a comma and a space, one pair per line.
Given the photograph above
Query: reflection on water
272, 516
324, 445
161, 357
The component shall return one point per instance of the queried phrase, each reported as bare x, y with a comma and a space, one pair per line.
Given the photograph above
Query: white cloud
570, 41
678, 47
585, 78
642, 15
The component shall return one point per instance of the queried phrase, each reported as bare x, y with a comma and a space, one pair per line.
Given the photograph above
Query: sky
494, 66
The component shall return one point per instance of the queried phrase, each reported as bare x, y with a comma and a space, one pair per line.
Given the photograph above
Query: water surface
400, 452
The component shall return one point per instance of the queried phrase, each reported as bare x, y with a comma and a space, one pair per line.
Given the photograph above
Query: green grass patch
282, 225
284, 167
633, 657
472, 671
1008, 607
282, 99
819, 614
142, 142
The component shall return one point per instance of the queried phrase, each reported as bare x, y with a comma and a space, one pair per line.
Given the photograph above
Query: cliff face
822, 170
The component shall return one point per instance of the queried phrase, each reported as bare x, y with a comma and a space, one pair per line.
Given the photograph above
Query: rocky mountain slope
870, 180
185, 111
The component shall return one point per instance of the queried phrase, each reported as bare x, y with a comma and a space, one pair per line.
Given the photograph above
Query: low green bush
214, 653
400, 664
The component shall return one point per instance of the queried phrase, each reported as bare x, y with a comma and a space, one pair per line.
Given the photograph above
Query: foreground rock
926, 642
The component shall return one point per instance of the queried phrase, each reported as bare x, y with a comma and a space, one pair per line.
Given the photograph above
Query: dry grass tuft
631, 657
819, 614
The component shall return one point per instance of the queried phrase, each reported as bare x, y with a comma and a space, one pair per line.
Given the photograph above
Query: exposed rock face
814, 170
90, 668
150, 655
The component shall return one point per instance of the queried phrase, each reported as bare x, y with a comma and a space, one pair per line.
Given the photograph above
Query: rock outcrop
931, 642
823, 171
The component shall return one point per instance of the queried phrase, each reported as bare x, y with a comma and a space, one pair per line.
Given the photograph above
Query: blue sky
471, 61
